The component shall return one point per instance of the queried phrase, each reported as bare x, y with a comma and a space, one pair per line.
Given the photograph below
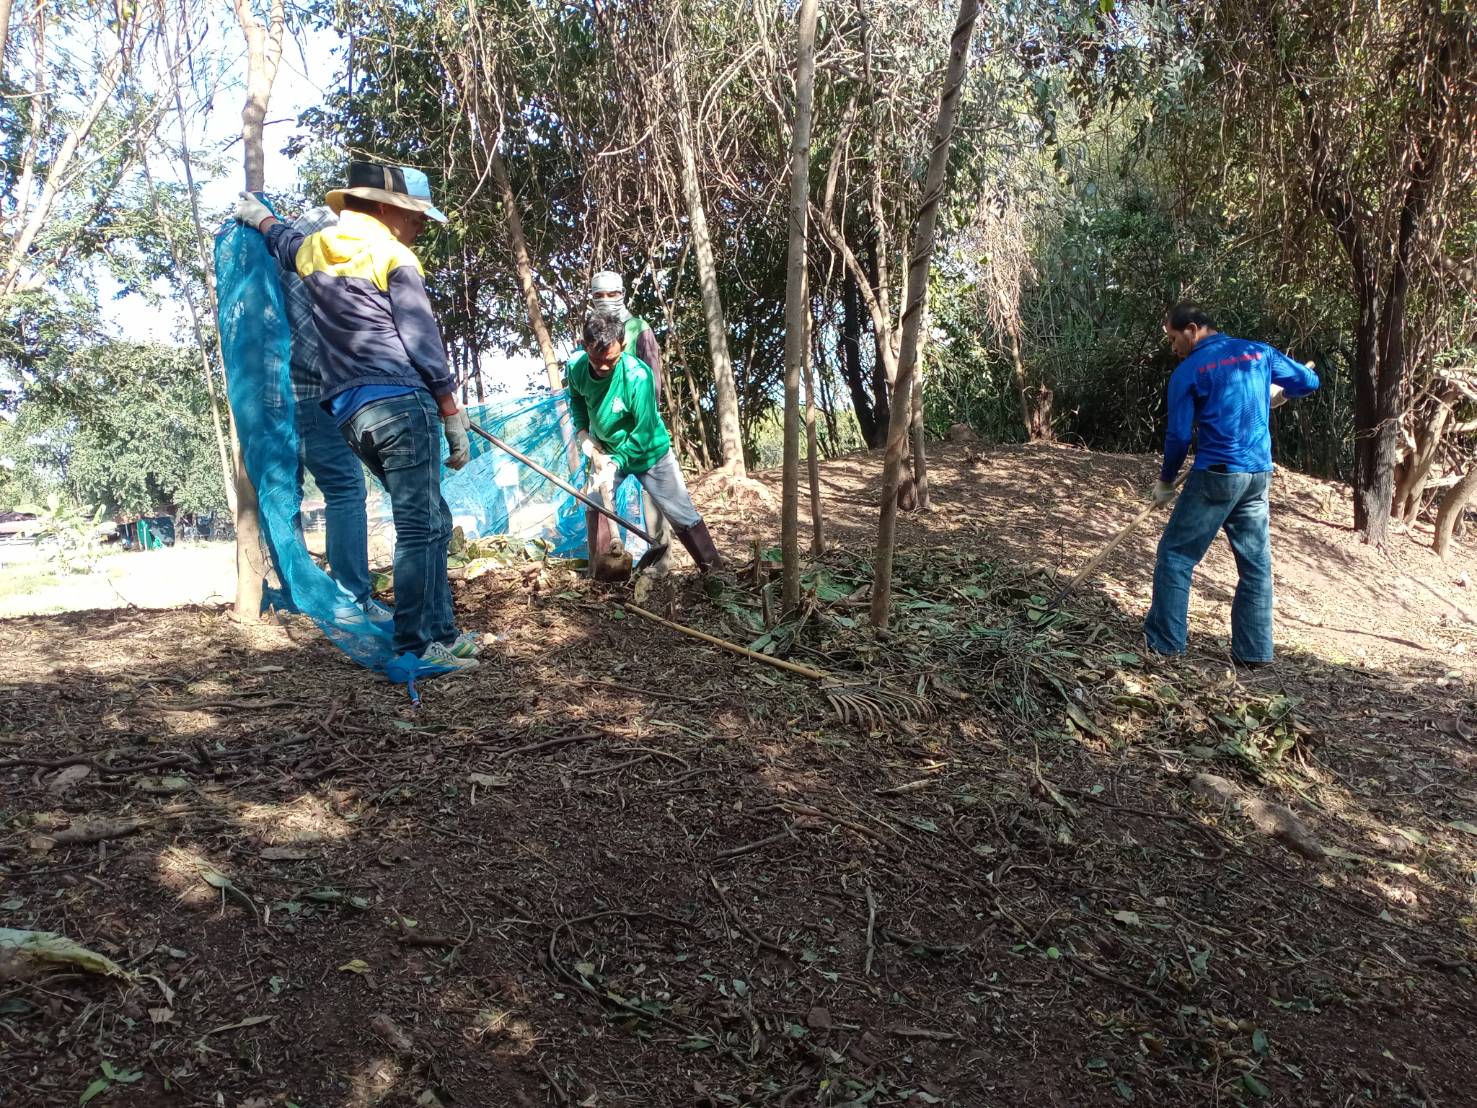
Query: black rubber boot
697, 542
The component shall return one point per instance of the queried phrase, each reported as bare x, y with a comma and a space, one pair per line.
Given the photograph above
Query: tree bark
797, 303
227, 476
226, 443
524, 265
812, 457
919, 260
1412, 484
4, 35
263, 52
851, 364
730, 437
1453, 504
920, 447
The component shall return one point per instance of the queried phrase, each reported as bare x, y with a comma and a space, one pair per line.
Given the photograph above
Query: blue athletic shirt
1222, 393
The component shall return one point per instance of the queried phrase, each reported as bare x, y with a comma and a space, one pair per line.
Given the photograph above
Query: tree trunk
797, 304
1412, 484
701, 438
730, 437
207, 269
812, 458
816, 368
873, 433
920, 447
227, 476
1366, 423
920, 256
263, 51
4, 35
1453, 504
521, 262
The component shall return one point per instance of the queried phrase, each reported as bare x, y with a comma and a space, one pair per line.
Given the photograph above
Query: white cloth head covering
608, 280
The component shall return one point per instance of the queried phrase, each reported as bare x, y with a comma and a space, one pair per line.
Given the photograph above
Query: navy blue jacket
1222, 394
369, 305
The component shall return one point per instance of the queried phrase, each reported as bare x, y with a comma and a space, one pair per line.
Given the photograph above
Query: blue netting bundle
492, 495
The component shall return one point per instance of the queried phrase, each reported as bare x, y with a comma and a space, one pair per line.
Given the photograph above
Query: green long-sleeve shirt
619, 411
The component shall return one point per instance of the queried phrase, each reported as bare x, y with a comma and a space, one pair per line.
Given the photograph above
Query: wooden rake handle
1113, 544
732, 648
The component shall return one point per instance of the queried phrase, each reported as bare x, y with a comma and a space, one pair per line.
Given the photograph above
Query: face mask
607, 282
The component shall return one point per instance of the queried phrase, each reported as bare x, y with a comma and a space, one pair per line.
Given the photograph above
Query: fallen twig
871, 932
548, 744
748, 932
749, 848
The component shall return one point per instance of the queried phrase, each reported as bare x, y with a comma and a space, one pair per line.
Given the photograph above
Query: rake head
875, 706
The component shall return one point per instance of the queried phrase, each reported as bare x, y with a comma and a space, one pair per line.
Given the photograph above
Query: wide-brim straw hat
400, 186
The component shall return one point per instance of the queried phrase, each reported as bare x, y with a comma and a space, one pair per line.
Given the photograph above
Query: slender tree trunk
812, 456
1412, 484
263, 52
701, 438
225, 441
227, 476
919, 261
1366, 423
920, 447
521, 261
729, 435
1453, 504
797, 303
4, 35
867, 417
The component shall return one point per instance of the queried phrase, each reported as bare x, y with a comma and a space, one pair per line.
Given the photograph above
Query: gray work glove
251, 211
1163, 493
458, 428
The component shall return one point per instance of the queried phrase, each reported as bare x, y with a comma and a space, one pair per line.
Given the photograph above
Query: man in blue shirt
1222, 393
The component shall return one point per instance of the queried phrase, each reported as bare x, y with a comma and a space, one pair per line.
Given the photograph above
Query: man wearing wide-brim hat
385, 379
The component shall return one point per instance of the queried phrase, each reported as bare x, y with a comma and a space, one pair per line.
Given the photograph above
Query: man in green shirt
612, 399
608, 294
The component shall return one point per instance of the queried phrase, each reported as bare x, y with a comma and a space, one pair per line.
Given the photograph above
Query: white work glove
602, 479
458, 428
1163, 493
592, 452
251, 211
1279, 397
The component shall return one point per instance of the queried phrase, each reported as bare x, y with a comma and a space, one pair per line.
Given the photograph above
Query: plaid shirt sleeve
306, 363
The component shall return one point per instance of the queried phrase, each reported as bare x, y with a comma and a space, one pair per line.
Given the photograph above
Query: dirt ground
614, 866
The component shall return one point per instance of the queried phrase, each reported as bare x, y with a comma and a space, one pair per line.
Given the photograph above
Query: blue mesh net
491, 495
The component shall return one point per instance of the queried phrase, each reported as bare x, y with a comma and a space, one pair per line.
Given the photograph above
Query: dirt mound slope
615, 867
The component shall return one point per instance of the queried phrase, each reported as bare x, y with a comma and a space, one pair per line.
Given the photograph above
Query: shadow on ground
613, 866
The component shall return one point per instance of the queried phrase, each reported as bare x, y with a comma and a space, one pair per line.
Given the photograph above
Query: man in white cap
385, 380
608, 294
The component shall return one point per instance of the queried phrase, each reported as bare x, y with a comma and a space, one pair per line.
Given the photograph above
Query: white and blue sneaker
377, 612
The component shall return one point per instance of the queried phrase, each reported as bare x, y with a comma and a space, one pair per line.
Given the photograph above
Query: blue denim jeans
399, 439
340, 477
1209, 502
